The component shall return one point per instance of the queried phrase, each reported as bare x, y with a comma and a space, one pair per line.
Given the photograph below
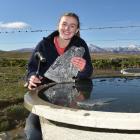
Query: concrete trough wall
82, 118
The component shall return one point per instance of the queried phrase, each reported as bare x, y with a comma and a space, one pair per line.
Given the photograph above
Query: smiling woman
54, 47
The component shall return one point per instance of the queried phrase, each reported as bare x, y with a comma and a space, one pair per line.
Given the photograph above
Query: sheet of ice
62, 69
89, 104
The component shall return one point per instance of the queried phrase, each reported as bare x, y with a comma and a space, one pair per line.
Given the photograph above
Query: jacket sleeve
88, 70
33, 62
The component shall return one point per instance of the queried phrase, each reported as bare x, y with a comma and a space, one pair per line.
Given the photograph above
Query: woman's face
68, 27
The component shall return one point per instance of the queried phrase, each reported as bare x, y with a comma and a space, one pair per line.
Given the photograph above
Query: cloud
14, 25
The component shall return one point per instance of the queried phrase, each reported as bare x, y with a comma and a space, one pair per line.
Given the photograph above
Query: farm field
12, 76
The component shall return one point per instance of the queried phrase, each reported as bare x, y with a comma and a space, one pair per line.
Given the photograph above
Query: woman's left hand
79, 63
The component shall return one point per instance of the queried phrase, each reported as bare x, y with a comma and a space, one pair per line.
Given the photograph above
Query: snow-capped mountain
94, 48
129, 49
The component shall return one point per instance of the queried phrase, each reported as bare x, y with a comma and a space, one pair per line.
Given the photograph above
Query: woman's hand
33, 81
79, 63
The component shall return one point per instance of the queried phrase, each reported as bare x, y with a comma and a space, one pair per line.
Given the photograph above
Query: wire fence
82, 29
114, 40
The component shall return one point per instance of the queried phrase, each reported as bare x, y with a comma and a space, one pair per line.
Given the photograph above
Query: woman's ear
76, 31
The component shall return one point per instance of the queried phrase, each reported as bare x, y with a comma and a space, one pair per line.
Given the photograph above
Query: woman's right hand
33, 82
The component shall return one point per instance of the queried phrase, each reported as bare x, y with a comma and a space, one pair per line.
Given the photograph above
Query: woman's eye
72, 26
64, 24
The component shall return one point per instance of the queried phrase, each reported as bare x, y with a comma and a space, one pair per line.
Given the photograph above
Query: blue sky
32, 15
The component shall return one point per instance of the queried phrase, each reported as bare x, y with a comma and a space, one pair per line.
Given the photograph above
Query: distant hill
131, 49
24, 50
94, 48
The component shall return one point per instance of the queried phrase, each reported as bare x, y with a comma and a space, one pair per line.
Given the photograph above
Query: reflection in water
68, 94
100, 94
89, 104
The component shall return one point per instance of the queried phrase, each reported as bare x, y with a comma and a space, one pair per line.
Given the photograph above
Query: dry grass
113, 56
15, 55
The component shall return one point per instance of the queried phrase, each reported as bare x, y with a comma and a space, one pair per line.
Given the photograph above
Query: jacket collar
56, 33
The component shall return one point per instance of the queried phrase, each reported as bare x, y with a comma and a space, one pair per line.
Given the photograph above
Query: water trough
101, 109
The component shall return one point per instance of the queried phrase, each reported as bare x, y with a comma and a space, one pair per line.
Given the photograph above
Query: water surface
100, 94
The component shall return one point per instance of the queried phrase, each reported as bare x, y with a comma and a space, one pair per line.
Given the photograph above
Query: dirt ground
16, 134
